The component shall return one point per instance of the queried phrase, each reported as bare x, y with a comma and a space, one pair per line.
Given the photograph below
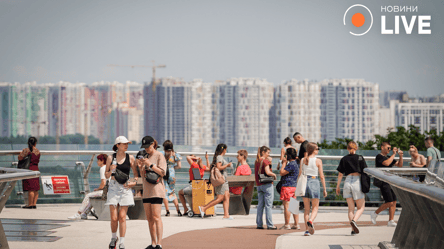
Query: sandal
168, 213
296, 227
179, 213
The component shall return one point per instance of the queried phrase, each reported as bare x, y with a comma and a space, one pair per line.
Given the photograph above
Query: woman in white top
287, 144
312, 167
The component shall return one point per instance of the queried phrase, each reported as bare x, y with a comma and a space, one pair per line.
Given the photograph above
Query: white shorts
118, 194
352, 188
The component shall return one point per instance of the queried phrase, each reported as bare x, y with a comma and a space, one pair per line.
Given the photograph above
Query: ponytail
310, 150
219, 149
32, 141
260, 151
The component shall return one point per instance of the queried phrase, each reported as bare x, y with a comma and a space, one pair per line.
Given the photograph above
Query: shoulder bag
365, 179
24, 163
216, 177
301, 186
263, 178
120, 177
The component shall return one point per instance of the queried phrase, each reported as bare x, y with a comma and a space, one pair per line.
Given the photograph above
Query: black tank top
125, 166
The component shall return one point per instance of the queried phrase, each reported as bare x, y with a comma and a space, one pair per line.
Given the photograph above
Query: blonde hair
352, 145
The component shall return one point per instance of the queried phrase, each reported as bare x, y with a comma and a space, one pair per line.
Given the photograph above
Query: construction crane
134, 66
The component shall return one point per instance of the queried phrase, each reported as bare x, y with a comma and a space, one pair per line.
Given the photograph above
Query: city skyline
75, 41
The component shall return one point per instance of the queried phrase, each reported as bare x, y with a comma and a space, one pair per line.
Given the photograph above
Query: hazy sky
49, 41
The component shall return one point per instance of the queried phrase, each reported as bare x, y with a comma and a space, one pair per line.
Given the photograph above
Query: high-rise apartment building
349, 109
426, 116
297, 108
243, 106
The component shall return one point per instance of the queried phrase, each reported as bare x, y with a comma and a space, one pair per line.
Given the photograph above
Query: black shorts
387, 193
154, 200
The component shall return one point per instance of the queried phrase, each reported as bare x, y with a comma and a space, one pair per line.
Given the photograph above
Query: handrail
13, 174
431, 192
90, 152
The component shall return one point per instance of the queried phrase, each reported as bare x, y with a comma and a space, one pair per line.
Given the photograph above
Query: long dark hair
260, 151
219, 149
32, 141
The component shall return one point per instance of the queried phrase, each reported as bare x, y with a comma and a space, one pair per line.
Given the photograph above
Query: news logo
359, 18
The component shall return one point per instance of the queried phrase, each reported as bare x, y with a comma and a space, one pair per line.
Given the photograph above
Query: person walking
351, 166
382, 160
31, 185
265, 192
119, 196
312, 167
86, 204
287, 144
222, 191
289, 178
153, 193
173, 160
432, 152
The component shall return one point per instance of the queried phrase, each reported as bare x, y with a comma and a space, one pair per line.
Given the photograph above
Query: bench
240, 204
134, 213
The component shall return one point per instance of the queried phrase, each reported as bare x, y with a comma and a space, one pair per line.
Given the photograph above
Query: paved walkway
332, 231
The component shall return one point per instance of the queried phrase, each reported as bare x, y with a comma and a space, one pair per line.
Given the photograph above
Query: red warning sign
55, 185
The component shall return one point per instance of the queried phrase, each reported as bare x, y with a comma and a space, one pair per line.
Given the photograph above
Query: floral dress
169, 185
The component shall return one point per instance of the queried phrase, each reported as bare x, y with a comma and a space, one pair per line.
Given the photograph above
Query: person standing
289, 178
265, 192
351, 166
86, 204
242, 170
417, 160
312, 167
432, 152
287, 144
173, 160
31, 185
120, 196
222, 191
298, 138
382, 160
153, 194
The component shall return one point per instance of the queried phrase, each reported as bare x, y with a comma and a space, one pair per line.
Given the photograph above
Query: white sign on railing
55, 185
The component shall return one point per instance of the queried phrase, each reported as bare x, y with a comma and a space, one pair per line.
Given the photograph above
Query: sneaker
93, 213
353, 233
373, 217
77, 216
167, 213
113, 243
285, 227
311, 228
354, 226
202, 214
229, 218
259, 227
158, 247
150, 247
121, 246
179, 213
307, 233
272, 228
83, 216
391, 223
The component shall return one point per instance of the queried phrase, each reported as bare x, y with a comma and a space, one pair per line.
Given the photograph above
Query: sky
65, 40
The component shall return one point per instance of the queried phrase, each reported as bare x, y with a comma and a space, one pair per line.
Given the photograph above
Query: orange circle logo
358, 19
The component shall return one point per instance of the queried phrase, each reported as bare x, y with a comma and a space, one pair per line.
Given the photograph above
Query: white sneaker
391, 223
373, 217
83, 216
75, 217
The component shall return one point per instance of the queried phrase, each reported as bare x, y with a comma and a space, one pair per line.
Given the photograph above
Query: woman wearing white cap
120, 196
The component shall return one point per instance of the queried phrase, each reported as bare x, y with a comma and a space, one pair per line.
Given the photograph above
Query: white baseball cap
122, 140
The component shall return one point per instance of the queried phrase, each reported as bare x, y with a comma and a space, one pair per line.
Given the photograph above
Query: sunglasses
317, 149
389, 148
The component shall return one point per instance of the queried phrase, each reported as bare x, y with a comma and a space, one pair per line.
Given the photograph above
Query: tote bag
302, 183
293, 206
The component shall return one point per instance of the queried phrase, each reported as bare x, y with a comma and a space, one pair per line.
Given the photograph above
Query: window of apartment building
432, 120
417, 120
402, 120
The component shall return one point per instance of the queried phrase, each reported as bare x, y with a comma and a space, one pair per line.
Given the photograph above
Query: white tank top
311, 169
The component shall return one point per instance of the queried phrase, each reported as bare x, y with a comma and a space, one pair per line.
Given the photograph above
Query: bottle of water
114, 163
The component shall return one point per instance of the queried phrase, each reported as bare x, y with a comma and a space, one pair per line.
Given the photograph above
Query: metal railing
8, 179
421, 223
79, 164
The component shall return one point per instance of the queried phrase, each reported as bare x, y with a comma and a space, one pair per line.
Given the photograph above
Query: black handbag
120, 177
279, 187
24, 163
365, 179
263, 178
152, 177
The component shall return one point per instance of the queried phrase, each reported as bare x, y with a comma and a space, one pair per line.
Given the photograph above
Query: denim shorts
352, 188
313, 190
